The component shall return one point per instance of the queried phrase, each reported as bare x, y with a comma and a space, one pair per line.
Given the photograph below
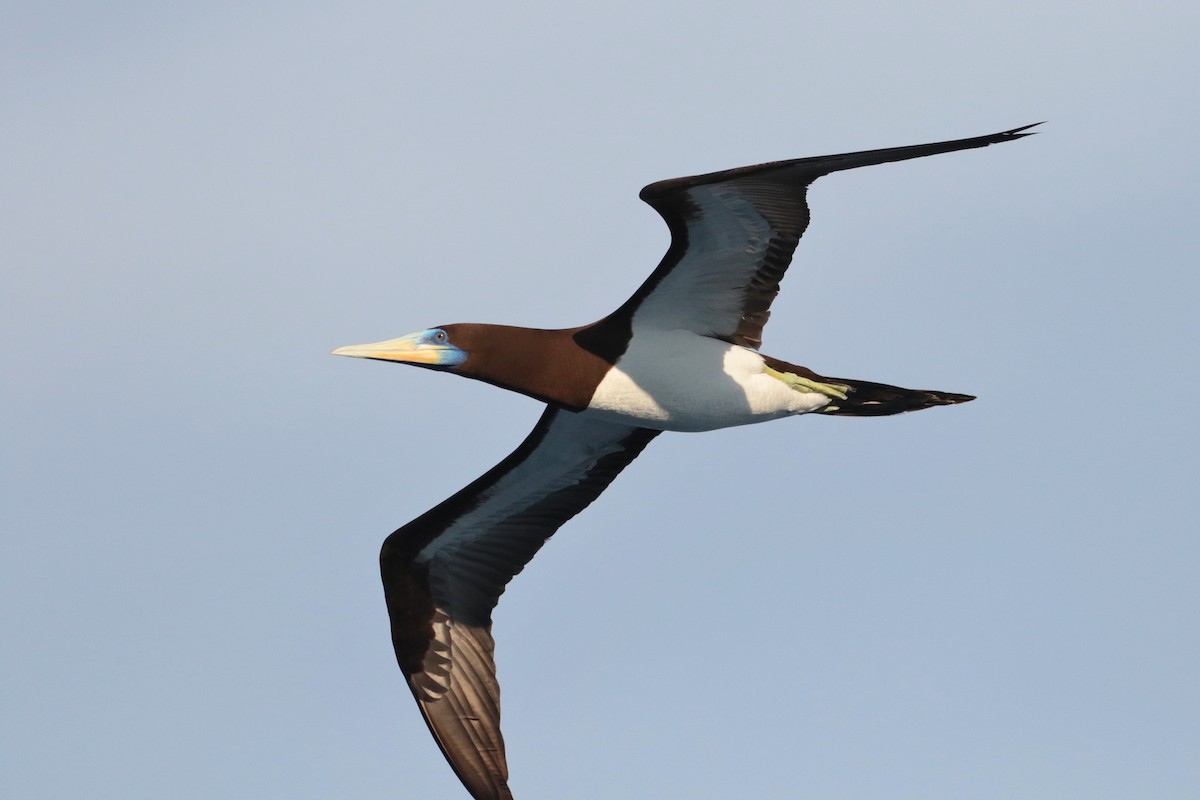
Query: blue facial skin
436, 339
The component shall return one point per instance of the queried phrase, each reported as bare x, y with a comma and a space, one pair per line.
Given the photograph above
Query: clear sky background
199, 201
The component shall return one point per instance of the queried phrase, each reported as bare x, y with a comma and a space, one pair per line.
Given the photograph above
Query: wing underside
444, 572
733, 234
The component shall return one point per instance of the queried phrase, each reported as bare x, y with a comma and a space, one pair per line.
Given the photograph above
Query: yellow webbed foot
799, 383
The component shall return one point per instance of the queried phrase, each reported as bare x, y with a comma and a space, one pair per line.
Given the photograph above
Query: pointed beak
415, 348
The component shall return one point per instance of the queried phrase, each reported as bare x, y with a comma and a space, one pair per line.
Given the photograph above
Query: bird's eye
440, 337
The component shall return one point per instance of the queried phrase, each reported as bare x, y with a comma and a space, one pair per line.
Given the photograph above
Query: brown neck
545, 364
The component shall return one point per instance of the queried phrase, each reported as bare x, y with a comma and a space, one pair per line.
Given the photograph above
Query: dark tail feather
866, 399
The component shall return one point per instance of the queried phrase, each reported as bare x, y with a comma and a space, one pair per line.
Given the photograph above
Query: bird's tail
855, 398
866, 399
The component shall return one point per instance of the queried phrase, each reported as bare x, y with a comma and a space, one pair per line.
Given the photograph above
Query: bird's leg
799, 383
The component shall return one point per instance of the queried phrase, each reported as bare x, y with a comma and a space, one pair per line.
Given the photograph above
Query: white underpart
680, 381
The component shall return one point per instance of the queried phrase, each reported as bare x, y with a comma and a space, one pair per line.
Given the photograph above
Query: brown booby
680, 355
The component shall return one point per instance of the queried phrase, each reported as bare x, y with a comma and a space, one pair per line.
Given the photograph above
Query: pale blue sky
995, 600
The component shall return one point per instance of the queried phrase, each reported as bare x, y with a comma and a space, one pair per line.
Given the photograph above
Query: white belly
680, 381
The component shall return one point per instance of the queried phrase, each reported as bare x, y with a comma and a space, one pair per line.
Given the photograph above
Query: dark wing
444, 572
732, 237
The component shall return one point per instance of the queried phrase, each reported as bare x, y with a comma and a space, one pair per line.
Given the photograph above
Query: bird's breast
682, 381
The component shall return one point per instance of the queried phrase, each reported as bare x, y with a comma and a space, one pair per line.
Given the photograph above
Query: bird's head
526, 360
433, 348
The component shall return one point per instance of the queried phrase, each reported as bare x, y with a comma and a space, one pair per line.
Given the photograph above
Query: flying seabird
681, 354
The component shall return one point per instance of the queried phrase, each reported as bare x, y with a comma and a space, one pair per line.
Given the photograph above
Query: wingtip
1017, 133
